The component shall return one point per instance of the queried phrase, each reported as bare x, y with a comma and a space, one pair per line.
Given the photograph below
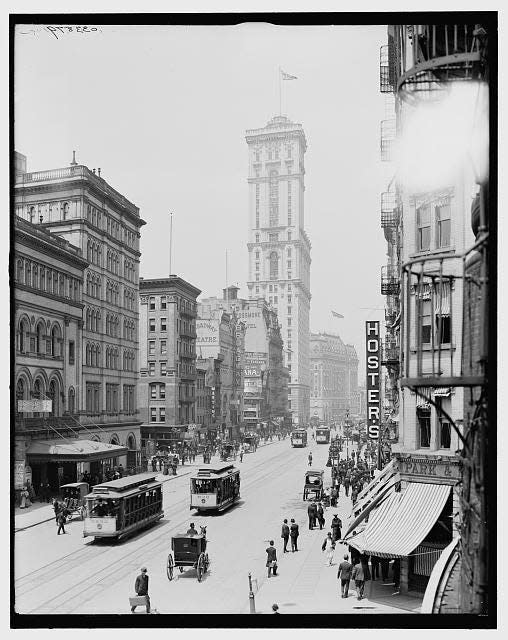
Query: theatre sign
373, 355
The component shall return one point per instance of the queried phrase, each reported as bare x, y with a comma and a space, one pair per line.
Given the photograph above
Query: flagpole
280, 92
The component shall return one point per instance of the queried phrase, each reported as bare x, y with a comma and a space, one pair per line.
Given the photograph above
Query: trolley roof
126, 484
314, 472
74, 485
214, 470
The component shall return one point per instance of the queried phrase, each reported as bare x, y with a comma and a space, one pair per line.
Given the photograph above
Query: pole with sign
373, 344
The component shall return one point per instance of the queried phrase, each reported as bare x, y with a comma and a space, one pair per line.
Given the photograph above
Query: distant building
78, 205
279, 248
208, 395
167, 348
265, 381
334, 378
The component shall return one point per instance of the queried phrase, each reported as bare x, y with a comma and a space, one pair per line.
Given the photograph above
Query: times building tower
279, 248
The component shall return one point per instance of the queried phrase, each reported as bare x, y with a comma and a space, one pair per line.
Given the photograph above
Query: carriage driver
192, 530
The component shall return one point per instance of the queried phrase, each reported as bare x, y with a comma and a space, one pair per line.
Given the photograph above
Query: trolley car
118, 508
313, 484
250, 443
215, 487
299, 438
228, 452
188, 551
322, 435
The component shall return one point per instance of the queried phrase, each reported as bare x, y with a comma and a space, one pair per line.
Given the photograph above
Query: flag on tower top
336, 315
287, 76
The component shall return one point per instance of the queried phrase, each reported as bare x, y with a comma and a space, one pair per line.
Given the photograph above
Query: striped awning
402, 521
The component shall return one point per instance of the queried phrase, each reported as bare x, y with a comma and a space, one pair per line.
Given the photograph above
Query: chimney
93, 171
73, 163
99, 171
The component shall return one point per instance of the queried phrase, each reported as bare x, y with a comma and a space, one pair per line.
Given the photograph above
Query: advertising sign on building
207, 333
252, 371
35, 406
373, 355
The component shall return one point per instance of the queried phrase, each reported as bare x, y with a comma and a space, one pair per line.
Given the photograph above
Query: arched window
39, 337
37, 393
53, 396
274, 265
22, 336
19, 272
28, 274
71, 404
20, 391
43, 279
35, 276
31, 214
55, 345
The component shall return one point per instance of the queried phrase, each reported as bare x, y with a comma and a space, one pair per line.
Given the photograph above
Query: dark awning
73, 451
402, 521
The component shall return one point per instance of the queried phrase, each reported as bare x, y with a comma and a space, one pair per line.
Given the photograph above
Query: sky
163, 111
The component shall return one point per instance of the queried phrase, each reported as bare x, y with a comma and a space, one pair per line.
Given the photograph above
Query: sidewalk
41, 512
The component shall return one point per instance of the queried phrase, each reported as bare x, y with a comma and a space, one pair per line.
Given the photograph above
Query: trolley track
123, 563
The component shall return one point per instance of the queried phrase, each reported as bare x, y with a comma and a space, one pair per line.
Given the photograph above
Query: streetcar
188, 551
215, 487
299, 438
228, 451
323, 435
250, 443
74, 498
117, 508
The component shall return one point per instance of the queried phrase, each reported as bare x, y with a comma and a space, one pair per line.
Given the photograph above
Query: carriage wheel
207, 562
169, 567
201, 566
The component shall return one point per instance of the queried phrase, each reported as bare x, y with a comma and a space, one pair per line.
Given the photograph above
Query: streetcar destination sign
372, 339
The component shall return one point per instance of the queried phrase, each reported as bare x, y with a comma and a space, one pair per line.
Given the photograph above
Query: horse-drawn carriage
313, 484
228, 452
188, 550
73, 497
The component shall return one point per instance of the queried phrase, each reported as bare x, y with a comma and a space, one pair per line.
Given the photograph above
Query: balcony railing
389, 354
390, 280
435, 54
388, 130
389, 210
386, 69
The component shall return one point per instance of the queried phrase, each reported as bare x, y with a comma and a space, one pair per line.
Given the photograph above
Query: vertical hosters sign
373, 353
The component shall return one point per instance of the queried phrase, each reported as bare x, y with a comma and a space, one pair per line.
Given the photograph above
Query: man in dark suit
141, 588
285, 535
336, 527
358, 576
294, 532
312, 513
320, 515
344, 575
271, 559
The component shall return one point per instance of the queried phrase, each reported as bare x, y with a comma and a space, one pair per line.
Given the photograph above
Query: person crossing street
310, 459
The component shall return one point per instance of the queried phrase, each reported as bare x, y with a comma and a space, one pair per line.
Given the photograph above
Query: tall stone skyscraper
279, 248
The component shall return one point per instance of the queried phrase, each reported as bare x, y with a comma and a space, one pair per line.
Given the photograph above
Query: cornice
44, 294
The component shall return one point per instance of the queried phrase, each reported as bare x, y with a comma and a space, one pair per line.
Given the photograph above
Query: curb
29, 526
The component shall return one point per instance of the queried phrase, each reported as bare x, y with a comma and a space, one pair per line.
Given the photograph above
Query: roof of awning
73, 451
402, 521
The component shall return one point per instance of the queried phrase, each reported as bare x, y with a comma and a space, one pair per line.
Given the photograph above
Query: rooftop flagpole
280, 91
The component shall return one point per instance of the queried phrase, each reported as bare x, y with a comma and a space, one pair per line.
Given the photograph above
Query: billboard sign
35, 406
373, 355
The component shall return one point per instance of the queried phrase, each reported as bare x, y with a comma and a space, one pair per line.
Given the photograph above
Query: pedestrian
359, 577
320, 516
385, 563
241, 454
396, 573
310, 459
347, 483
271, 559
336, 526
312, 513
56, 508
374, 561
121, 470
344, 575
328, 546
294, 532
354, 494
285, 535
141, 588
60, 520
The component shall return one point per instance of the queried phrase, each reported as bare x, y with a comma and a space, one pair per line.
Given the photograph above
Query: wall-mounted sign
373, 344
35, 406
251, 371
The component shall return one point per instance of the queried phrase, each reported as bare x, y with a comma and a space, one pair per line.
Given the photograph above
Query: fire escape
444, 296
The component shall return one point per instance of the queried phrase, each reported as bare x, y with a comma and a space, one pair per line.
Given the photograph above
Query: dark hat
144, 569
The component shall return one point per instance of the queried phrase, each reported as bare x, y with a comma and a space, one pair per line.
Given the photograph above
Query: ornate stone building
78, 205
279, 248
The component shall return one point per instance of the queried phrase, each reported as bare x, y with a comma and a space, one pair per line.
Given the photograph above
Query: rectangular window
151, 347
162, 391
257, 277
443, 329
164, 324
425, 321
423, 417
163, 368
445, 434
151, 304
164, 348
257, 266
270, 299
151, 368
289, 299
162, 414
257, 289
270, 288
289, 311
153, 391
164, 304
151, 324
423, 228
275, 299
153, 414
289, 287
443, 226
273, 237
289, 275
289, 264
71, 351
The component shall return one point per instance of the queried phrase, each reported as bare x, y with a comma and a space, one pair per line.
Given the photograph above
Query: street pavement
74, 575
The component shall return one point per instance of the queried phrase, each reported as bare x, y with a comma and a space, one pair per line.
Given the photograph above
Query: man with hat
191, 531
141, 588
336, 525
